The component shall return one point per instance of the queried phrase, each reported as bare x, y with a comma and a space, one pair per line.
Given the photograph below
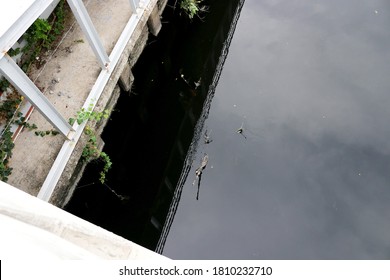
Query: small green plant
44, 133
58, 20
107, 165
41, 35
6, 146
89, 115
7, 109
39, 32
91, 151
37, 39
23, 122
192, 7
4, 84
32, 126
14, 52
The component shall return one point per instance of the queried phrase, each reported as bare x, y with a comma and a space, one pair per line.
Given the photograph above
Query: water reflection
311, 181
226, 24
158, 127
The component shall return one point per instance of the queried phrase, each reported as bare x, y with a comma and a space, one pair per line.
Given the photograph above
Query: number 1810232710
242, 270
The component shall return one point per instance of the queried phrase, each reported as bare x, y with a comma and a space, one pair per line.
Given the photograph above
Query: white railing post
85, 22
10, 70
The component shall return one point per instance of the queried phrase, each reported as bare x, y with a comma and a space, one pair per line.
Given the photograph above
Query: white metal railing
26, 107
89, 30
25, 86
15, 18
67, 148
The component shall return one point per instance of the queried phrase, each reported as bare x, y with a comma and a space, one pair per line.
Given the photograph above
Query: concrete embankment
34, 229
68, 74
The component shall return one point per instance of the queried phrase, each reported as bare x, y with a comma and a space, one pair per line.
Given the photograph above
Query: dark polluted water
295, 128
152, 128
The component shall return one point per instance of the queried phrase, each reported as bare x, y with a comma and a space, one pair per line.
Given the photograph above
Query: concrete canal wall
69, 74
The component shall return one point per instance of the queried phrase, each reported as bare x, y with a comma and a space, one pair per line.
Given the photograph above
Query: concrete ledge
53, 231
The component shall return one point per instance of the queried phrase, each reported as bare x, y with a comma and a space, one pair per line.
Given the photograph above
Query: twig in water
121, 197
202, 166
87, 185
197, 193
199, 171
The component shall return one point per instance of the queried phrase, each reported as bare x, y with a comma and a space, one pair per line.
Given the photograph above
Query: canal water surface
290, 102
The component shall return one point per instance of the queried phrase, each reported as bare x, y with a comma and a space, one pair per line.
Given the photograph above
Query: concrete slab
47, 232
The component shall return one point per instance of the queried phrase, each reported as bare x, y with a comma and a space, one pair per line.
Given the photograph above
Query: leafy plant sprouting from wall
91, 150
192, 7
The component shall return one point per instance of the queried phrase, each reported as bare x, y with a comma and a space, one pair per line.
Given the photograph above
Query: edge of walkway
46, 231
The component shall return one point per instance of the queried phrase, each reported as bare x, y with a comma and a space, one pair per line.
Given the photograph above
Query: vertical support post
15, 75
154, 22
126, 79
85, 22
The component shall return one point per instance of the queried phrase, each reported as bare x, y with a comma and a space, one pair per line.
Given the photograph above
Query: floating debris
241, 130
199, 172
185, 80
123, 198
207, 139
198, 83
